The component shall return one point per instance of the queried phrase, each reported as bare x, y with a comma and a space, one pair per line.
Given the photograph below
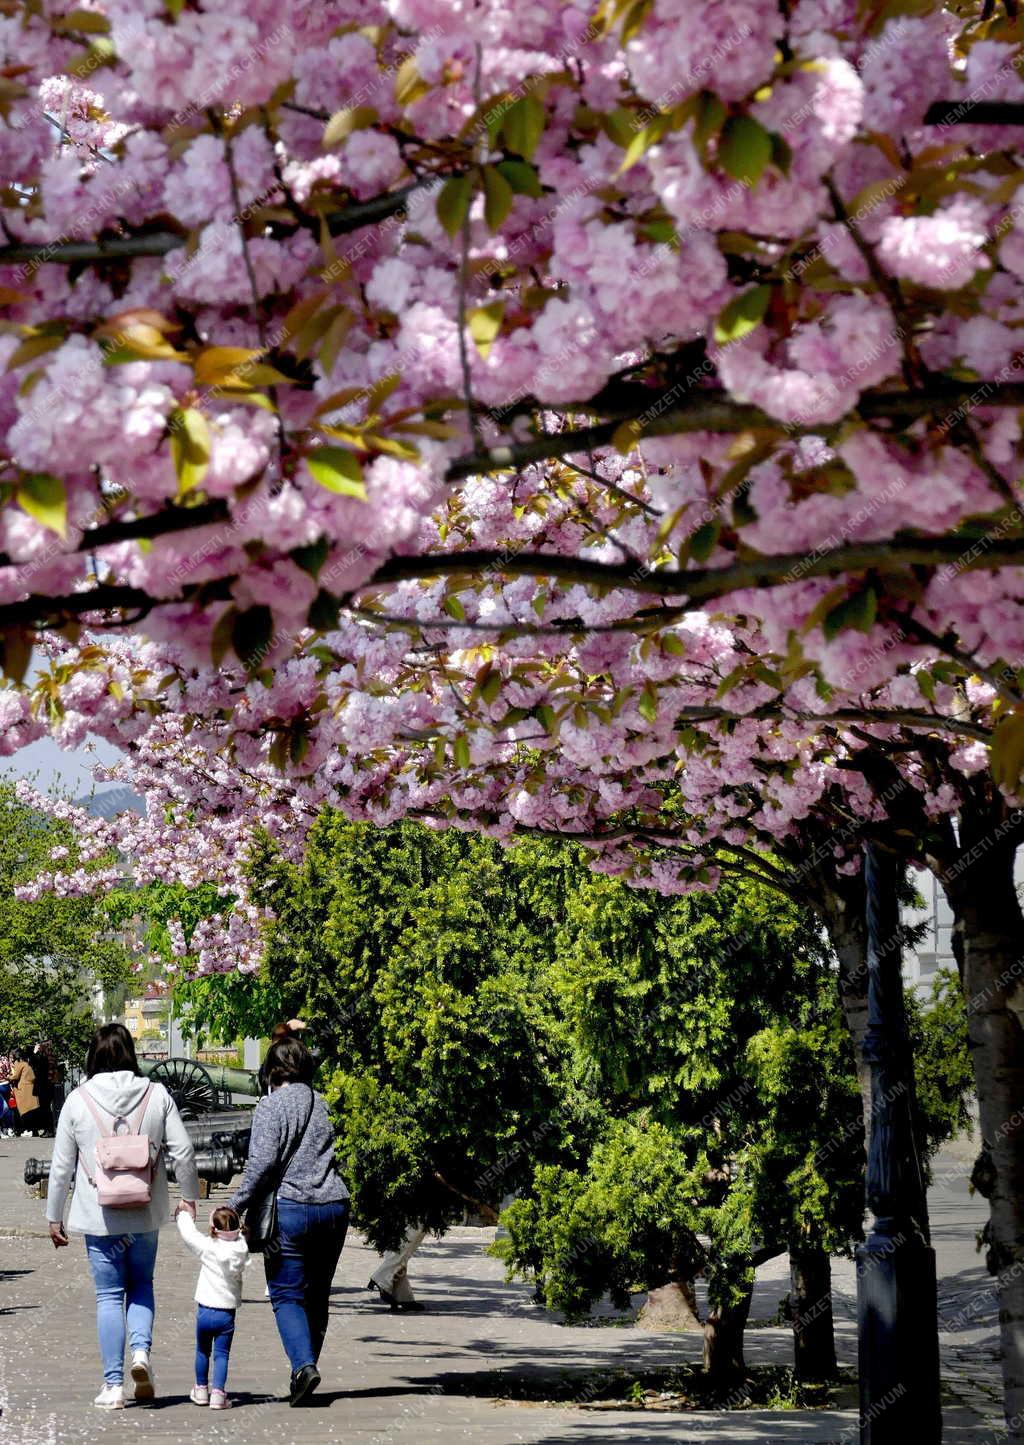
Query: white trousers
392, 1272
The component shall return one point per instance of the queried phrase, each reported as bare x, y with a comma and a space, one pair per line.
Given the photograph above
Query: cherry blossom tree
531, 417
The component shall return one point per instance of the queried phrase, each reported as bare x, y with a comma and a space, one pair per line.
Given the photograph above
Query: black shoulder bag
261, 1215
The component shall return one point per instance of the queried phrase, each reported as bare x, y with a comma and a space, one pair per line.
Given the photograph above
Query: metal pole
897, 1319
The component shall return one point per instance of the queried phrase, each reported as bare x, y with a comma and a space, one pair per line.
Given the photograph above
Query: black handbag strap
298, 1138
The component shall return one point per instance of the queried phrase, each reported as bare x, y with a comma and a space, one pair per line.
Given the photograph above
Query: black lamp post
898, 1343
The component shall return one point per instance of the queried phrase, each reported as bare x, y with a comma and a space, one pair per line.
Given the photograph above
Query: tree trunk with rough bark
811, 1303
842, 907
671, 1306
723, 1339
981, 891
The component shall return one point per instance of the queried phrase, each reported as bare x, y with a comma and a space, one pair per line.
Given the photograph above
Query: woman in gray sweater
291, 1127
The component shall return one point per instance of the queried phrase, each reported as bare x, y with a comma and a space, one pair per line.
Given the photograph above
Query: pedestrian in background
31, 1117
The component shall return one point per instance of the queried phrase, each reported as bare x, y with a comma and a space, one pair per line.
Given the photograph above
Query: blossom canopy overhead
413, 385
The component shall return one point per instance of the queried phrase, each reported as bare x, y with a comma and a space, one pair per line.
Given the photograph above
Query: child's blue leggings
214, 1332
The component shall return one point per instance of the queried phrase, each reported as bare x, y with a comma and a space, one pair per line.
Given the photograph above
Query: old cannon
234, 1142
200, 1089
216, 1166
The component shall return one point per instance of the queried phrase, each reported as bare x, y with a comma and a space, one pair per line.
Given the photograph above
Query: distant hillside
110, 801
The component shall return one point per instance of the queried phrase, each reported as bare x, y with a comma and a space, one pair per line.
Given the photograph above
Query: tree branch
486, 1211
657, 413
701, 584
697, 585
974, 112
107, 597
156, 524
159, 243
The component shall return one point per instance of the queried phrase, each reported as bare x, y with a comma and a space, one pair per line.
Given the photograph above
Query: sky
57, 770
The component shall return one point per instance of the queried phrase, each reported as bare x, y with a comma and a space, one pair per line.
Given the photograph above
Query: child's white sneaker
111, 1397
199, 1395
142, 1374
219, 1400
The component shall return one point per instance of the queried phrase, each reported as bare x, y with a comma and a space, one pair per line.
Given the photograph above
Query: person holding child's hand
224, 1255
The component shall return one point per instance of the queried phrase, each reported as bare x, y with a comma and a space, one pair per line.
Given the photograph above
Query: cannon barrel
234, 1141
216, 1165
225, 1080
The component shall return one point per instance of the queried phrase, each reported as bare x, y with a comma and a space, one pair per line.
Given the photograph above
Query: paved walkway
403, 1379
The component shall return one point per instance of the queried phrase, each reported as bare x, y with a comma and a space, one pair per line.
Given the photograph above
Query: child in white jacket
224, 1255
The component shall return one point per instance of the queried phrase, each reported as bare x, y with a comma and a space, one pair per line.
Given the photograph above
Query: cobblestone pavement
402, 1379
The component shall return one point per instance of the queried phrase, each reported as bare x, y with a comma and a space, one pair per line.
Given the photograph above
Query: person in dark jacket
291, 1150
42, 1067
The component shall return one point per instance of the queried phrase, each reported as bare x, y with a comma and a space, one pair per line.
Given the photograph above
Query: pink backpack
124, 1169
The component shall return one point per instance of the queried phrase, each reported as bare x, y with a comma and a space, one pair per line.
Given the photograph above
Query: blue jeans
122, 1272
215, 1329
300, 1268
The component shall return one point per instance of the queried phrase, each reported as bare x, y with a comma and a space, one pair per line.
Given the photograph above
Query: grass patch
685, 1387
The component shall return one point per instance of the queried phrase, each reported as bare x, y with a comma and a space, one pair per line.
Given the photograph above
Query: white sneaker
111, 1397
142, 1374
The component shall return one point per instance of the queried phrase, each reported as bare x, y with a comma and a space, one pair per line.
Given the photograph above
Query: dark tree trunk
840, 901
981, 891
723, 1339
811, 1302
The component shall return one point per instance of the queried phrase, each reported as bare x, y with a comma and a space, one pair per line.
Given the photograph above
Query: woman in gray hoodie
120, 1243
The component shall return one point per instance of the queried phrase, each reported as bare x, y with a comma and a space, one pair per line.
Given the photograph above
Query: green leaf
453, 203
460, 751
710, 118
857, 611
782, 153
312, 557
619, 125
742, 314
409, 84
251, 634
1006, 753
491, 687
89, 22
522, 125
338, 470
647, 703
343, 122
744, 149
43, 497
454, 608
498, 197
484, 324
323, 612
16, 652
190, 447
546, 716
704, 541
522, 177
220, 638
642, 141
663, 232
32, 347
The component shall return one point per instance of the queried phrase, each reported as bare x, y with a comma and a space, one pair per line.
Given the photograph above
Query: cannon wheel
189, 1085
